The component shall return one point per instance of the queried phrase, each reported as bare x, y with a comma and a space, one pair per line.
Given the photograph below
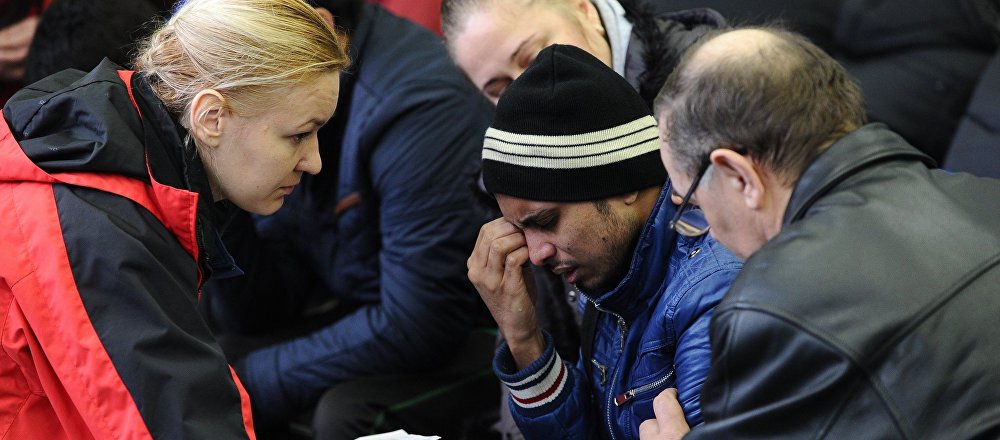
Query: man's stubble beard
619, 256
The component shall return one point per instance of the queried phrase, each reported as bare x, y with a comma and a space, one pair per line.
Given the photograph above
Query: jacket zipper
628, 395
199, 238
622, 327
622, 330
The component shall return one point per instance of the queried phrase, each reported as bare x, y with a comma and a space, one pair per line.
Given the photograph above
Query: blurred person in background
494, 41
80, 33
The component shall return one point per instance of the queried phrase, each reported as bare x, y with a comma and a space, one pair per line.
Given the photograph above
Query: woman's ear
326, 14
207, 117
590, 15
737, 173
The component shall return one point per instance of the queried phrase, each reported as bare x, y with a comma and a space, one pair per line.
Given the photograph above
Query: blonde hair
244, 49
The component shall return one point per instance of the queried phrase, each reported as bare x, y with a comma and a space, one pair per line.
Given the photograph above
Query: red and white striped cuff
542, 387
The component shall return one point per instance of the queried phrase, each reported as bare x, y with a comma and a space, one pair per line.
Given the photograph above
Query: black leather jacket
874, 314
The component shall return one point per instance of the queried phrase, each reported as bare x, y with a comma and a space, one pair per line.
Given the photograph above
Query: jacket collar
859, 150
657, 42
173, 161
123, 143
618, 30
37, 119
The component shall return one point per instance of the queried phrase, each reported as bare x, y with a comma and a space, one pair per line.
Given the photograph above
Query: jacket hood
74, 125
75, 122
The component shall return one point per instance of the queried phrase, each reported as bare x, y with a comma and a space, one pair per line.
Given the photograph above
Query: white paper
398, 435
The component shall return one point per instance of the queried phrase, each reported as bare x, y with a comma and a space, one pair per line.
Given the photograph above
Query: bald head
746, 44
766, 89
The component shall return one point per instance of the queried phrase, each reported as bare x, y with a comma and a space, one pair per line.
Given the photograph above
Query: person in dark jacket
113, 186
361, 275
583, 194
867, 304
493, 41
78, 34
975, 148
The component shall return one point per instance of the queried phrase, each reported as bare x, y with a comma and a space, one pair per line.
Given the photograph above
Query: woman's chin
264, 208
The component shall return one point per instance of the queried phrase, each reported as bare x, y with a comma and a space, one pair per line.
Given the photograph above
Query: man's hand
496, 268
14, 42
669, 423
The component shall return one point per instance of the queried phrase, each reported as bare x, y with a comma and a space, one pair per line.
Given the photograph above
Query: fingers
499, 245
649, 430
501, 249
514, 264
19, 34
489, 233
503, 253
14, 43
669, 423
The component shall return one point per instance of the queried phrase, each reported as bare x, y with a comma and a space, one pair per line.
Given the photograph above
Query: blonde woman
113, 185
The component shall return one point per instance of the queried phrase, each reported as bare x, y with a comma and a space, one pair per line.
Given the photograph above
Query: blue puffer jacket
386, 228
651, 334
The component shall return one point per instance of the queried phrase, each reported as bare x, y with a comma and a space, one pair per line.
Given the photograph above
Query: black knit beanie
570, 129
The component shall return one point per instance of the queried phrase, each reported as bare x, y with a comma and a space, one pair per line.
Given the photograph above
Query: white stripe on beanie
573, 151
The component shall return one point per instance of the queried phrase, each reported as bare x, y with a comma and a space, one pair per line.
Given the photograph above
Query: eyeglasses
689, 220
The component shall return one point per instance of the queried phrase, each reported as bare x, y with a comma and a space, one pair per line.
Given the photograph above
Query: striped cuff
537, 385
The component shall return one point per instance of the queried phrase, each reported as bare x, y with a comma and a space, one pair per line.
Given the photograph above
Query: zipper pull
623, 397
628, 395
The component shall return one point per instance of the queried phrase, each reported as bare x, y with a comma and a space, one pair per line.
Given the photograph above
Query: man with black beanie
572, 159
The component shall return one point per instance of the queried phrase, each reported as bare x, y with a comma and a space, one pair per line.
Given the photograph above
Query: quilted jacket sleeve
691, 322
549, 399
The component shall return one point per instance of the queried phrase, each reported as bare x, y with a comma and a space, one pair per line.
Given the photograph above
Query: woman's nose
311, 162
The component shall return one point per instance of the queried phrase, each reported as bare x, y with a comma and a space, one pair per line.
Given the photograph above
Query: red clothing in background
426, 13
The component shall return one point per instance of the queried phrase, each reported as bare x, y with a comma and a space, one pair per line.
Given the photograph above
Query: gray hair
784, 102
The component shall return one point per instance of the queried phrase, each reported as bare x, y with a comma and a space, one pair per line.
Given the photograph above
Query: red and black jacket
107, 237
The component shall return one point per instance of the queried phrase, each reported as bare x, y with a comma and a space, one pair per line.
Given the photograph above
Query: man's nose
539, 249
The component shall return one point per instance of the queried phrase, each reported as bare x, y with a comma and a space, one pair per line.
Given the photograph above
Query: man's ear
208, 117
738, 173
326, 14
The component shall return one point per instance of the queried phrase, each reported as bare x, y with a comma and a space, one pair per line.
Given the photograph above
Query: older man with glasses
868, 306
